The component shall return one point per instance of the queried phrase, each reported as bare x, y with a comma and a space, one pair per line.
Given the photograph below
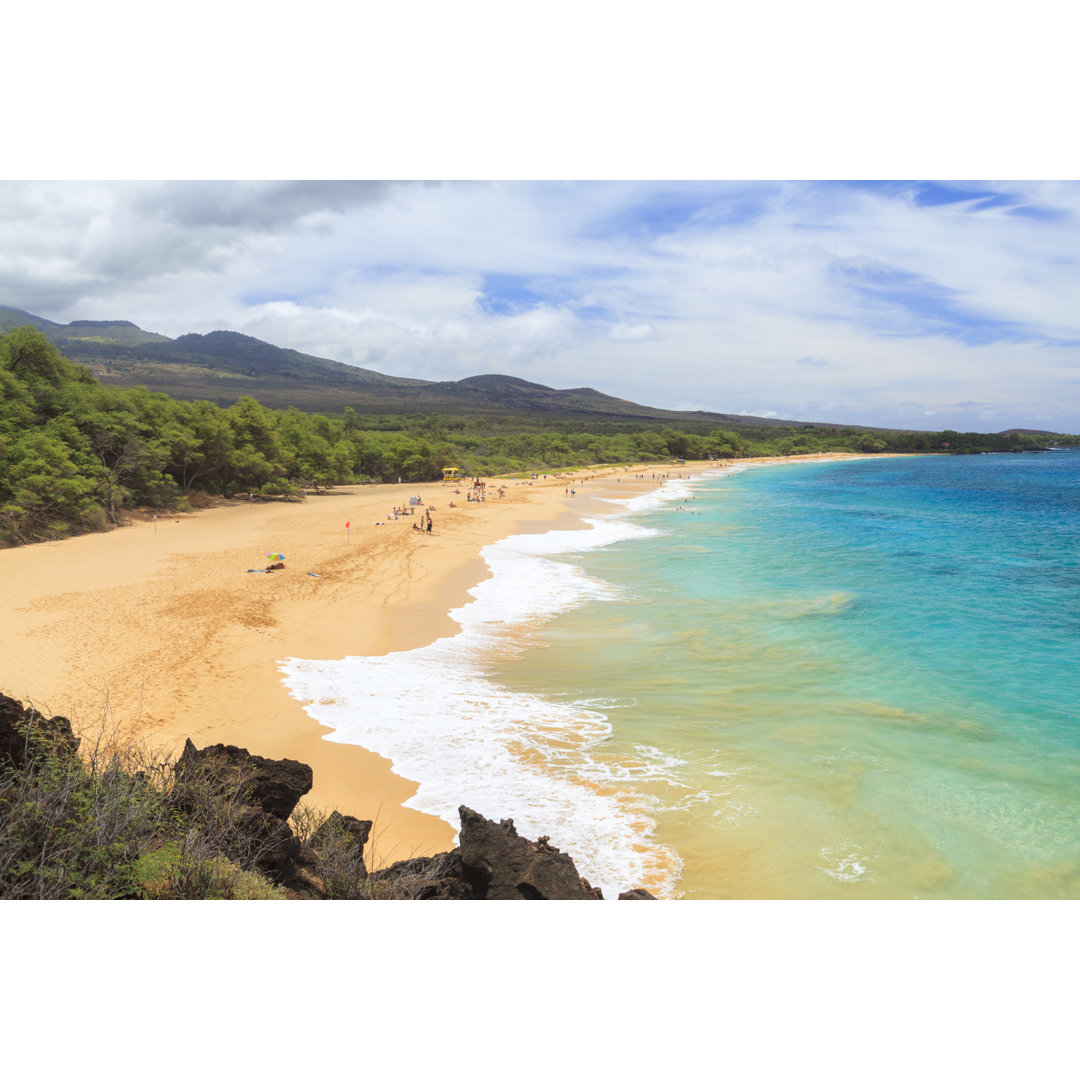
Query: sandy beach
159, 627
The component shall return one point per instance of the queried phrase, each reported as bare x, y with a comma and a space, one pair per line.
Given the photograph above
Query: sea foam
467, 740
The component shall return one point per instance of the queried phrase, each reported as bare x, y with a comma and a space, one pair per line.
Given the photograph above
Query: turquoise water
850, 679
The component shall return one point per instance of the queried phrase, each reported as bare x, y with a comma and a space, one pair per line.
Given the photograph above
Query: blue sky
919, 304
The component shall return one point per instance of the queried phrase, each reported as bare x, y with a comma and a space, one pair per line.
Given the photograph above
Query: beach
158, 629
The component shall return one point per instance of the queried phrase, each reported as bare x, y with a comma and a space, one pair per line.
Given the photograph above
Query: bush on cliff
168, 873
121, 822
107, 825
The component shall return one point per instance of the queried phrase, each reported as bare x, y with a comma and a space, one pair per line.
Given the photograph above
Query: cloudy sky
904, 304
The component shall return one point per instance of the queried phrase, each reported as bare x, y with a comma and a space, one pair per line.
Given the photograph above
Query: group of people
407, 511
424, 524
479, 492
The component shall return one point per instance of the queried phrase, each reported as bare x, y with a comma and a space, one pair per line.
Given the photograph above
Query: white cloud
642, 331
661, 293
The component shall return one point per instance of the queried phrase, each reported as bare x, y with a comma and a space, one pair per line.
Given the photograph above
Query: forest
76, 456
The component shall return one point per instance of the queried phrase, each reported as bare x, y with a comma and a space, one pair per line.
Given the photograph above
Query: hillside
81, 332
223, 366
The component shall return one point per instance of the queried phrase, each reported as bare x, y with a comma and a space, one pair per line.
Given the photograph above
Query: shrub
117, 823
339, 854
170, 873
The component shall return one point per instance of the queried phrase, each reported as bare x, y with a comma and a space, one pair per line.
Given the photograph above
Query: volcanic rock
500, 865
352, 831
275, 786
432, 877
23, 732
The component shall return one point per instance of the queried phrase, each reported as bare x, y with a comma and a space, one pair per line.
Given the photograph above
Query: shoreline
157, 626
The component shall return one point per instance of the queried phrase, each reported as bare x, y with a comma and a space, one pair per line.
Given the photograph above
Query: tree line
75, 454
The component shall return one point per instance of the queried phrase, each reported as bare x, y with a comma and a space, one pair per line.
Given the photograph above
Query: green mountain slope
10, 316
81, 331
223, 365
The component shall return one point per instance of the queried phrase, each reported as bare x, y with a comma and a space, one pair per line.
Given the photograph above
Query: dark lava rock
275, 786
432, 877
637, 894
344, 828
500, 865
25, 732
343, 825
274, 847
491, 862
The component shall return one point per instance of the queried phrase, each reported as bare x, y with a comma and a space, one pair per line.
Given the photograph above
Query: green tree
49, 486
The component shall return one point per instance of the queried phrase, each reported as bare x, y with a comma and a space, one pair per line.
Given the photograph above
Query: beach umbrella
275, 556
414, 500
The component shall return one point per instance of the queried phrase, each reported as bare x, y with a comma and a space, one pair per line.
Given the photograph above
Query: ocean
850, 679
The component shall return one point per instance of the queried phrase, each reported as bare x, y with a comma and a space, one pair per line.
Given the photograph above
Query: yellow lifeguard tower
453, 474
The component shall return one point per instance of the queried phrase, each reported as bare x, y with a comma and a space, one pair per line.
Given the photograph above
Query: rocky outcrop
433, 877
344, 825
271, 789
491, 862
274, 786
275, 850
348, 833
500, 865
637, 894
25, 734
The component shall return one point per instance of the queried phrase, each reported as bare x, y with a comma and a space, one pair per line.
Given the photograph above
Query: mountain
80, 331
224, 365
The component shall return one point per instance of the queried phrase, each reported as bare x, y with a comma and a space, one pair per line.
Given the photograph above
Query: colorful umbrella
275, 556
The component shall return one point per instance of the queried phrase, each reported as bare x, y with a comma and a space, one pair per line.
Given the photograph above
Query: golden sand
159, 626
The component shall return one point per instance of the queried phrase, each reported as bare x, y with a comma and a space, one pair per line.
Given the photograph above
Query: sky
913, 304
